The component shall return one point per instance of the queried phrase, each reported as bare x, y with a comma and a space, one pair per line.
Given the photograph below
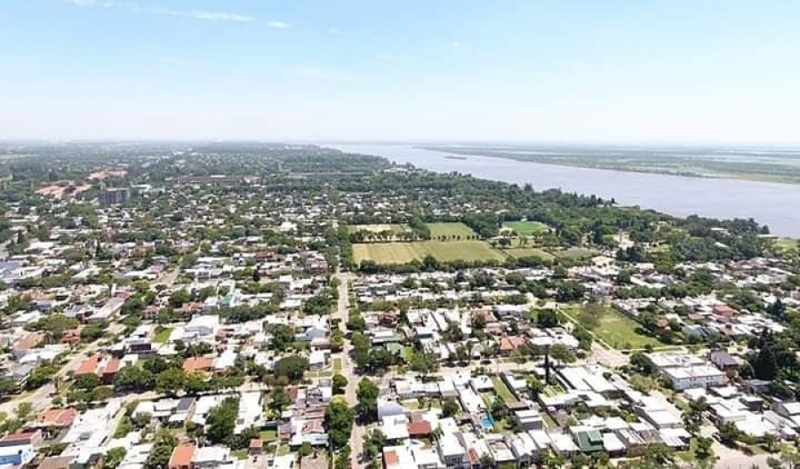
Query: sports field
527, 227
449, 230
377, 228
445, 251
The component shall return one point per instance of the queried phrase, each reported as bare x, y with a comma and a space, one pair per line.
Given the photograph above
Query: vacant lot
527, 227
618, 330
450, 230
395, 228
529, 252
445, 251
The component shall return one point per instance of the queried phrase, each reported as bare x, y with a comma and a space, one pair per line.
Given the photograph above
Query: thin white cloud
334, 31
455, 44
201, 15
279, 24
220, 16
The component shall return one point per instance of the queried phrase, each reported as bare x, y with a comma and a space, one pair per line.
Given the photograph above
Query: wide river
776, 205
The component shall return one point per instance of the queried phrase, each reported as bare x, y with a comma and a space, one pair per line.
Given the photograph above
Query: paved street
348, 370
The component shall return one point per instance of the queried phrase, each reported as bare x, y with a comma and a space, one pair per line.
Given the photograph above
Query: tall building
117, 195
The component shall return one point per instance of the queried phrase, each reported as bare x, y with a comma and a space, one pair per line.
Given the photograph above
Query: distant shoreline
657, 165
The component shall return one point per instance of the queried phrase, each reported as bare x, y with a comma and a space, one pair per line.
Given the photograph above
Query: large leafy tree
367, 406
339, 419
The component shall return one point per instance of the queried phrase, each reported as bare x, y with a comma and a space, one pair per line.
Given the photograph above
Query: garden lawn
162, 336
443, 251
527, 228
449, 230
337, 365
502, 390
268, 436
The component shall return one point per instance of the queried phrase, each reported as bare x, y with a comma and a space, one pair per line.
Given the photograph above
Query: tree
306, 449
534, 385
546, 318
40, 376
113, 458
292, 367
92, 332
479, 322
134, 378
450, 407
704, 448
23, 410
170, 381
279, 400
367, 406
339, 419
580, 460
7, 386
339, 382
729, 434
179, 297
221, 421
282, 337
87, 381
373, 444
562, 353
163, 444
337, 340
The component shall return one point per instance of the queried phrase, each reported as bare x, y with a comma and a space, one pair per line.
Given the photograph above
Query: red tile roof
182, 455
511, 343
419, 428
88, 366
57, 417
197, 363
112, 366
390, 458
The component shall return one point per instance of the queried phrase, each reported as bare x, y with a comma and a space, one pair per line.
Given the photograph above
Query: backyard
162, 335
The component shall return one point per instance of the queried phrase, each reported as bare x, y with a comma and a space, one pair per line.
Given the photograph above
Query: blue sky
445, 70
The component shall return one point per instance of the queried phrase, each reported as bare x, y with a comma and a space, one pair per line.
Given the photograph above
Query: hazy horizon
539, 73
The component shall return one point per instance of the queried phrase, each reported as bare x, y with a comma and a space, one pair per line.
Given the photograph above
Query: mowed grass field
529, 252
377, 228
449, 230
527, 227
576, 253
445, 251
